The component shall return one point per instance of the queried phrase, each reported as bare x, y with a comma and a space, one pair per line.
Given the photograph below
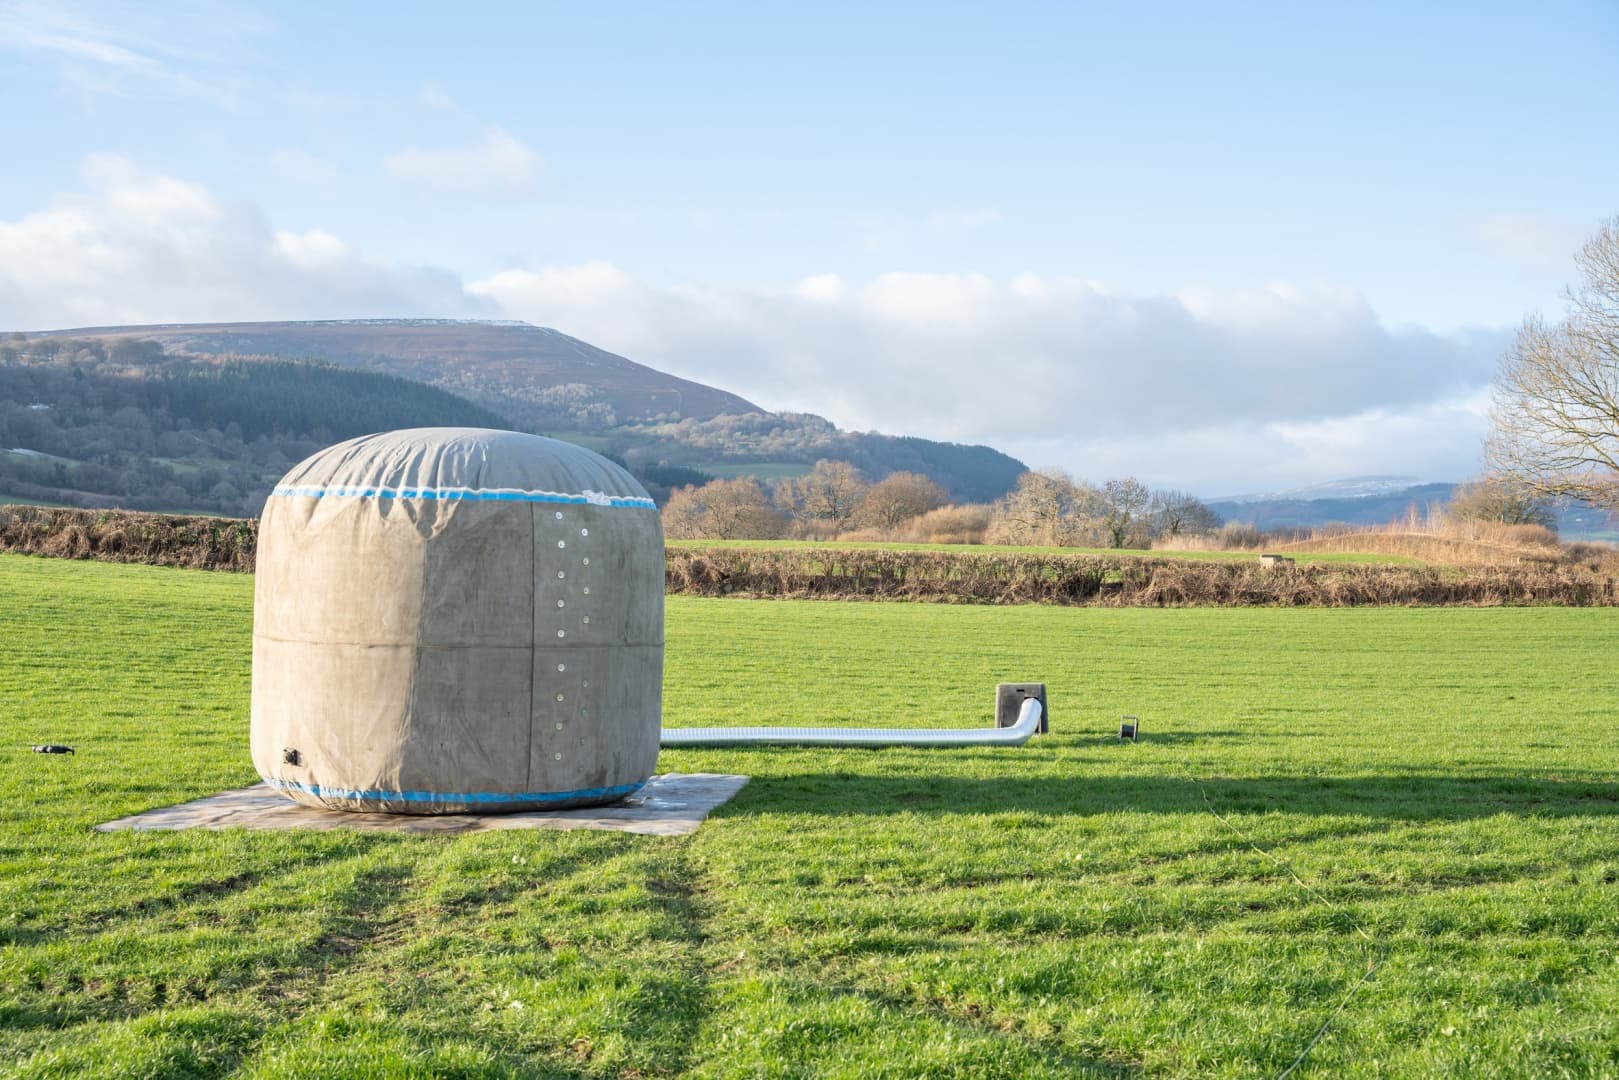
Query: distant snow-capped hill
1361, 501
1353, 487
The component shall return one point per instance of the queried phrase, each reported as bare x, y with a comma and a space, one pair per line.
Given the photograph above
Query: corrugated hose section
1028, 722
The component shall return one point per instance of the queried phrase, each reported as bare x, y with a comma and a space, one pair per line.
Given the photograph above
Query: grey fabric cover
457, 620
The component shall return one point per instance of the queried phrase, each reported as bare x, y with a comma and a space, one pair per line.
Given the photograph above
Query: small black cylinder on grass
1127, 727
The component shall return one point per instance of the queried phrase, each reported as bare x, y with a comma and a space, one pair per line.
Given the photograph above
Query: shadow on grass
1406, 796
1166, 738
675, 1004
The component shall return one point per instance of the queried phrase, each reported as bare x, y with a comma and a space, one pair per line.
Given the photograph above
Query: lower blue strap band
539, 798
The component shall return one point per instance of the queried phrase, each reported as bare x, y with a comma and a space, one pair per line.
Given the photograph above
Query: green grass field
1397, 829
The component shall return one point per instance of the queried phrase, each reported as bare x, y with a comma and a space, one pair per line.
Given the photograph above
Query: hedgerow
978, 576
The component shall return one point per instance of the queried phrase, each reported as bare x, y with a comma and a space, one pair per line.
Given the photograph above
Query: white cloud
135, 247
1437, 440
312, 250
195, 47
827, 288
49, 29
141, 198
498, 160
1213, 391
1213, 388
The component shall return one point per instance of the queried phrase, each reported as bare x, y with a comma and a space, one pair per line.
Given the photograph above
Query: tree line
834, 499
967, 473
1050, 508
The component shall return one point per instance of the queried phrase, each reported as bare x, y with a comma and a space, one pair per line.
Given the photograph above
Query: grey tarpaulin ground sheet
673, 804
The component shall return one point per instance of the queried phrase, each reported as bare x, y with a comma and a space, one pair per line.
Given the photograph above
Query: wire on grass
1371, 968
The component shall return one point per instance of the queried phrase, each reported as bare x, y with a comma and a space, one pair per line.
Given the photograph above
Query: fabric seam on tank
584, 498
619, 790
533, 643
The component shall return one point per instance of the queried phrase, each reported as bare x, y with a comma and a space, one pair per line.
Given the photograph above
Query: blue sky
1223, 247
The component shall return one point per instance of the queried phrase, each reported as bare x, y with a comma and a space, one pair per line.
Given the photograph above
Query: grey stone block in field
457, 621
671, 805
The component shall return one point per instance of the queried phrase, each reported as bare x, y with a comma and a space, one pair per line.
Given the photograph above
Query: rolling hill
205, 417
1378, 500
539, 377
1357, 501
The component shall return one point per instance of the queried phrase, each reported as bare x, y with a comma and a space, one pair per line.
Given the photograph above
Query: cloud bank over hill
1198, 388
1216, 391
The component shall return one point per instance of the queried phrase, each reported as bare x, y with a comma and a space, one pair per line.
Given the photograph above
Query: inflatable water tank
455, 620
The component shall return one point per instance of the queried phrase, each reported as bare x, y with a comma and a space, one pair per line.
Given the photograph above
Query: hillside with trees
129, 426
208, 416
540, 378
734, 443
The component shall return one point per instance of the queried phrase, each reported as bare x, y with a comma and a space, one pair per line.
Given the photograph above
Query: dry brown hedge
968, 577
1113, 581
204, 543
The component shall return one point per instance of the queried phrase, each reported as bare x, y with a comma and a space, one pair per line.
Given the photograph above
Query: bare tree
826, 496
1175, 513
1501, 501
897, 498
683, 514
722, 510
1047, 507
1555, 422
1124, 513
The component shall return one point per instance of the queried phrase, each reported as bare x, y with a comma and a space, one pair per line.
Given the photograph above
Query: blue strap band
539, 798
583, 498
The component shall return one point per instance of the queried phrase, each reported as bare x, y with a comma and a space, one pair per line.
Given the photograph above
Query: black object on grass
53, 748
1127, 727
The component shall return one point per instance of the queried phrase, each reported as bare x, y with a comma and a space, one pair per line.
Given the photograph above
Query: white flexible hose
1028, 722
